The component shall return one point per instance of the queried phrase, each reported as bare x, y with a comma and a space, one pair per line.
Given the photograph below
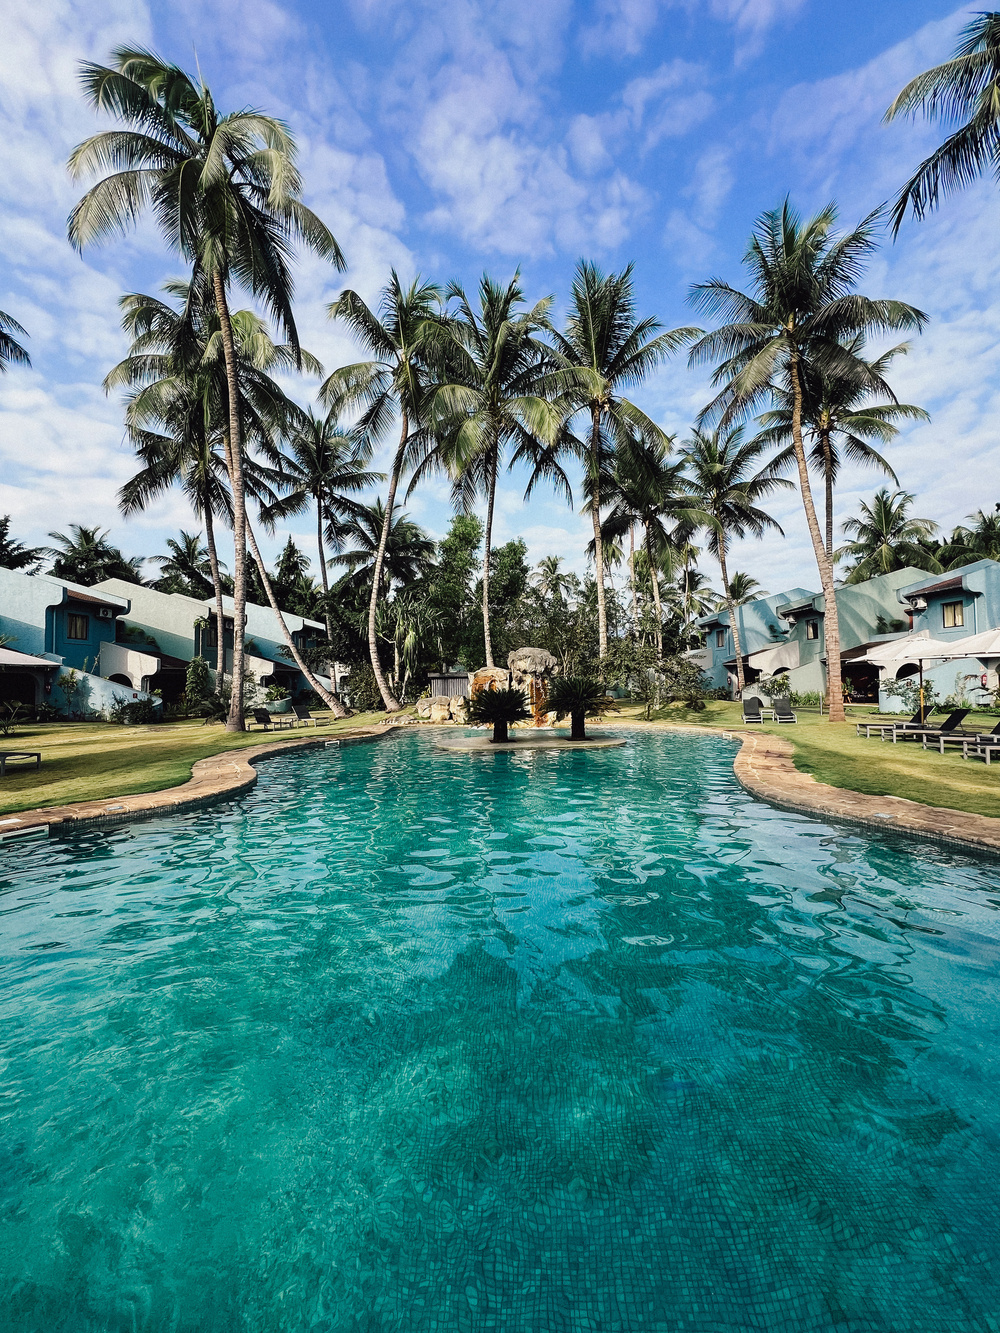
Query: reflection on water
415, 1040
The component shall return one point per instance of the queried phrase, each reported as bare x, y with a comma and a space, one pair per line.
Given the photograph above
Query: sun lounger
277, 720
783, 711
17, 757
967, 739
303, 714
950, 724
919, 719
751, 711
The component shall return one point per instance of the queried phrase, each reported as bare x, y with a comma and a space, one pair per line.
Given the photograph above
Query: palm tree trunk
220, 610
392, 704
828, 480
322, 572
631, 567
831, 623
234, 465
595, 463
740, 679
488, 541
656, 595
331, 701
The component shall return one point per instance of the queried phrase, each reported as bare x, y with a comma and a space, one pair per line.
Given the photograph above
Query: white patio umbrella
985, 645
913, 648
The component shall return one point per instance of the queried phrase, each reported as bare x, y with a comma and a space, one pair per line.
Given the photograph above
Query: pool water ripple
413, 1040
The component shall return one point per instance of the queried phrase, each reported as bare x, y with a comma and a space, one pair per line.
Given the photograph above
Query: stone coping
212, 779
484, 744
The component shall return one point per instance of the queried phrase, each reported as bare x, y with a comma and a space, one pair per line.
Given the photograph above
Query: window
812, 629
720, 638
77, 627
952, 614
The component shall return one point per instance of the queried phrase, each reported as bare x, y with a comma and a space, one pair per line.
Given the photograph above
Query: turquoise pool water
413, 1040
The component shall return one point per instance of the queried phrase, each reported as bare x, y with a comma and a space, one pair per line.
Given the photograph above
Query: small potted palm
578, 697
498, 709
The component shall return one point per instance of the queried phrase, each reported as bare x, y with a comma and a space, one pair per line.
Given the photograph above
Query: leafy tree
197, 682
14, 554
187, 569
226, 193
11, 351
509, 584
397, 379
493, 364
498, 709
450, 593
294, 588
802, 317
605, 350
966, 89
885, 537
87, 557
727, 485
406, 553
578, 697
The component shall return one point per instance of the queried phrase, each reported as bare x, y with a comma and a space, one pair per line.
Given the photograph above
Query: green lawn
86, 761
834, 754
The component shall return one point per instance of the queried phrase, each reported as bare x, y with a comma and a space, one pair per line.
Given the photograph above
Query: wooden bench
17, 756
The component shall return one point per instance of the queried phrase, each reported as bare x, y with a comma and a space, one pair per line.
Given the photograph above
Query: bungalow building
762, 638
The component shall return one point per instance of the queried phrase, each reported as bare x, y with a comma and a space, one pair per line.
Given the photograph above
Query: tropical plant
802, 317
578, 697
14, 554
605, 350
406, 552
885, 537
397, 379
187, 569
840, 421
11, 351
226, 194
498, 709
86, 556
727, 485
549, 579
744, 588
197, 682
492, 365
965, 89
968, 544
324, 465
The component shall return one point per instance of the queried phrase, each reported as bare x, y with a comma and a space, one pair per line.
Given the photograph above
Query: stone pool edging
212, 779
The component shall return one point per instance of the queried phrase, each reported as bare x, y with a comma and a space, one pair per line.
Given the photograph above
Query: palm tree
801, 318
724, 483
578, 697
498, 709
744, 588
226, 194
980, 542
325, 465
87, 557
493, 365
886, 538
187, 569
549, 579
395, 380
966, 89
836, 412
11, 350
14, 554
406, 553
605, 350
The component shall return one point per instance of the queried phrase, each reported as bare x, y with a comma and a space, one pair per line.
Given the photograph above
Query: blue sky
455, 136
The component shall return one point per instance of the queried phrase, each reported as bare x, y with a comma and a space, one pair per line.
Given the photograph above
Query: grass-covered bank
833, 753
88, 761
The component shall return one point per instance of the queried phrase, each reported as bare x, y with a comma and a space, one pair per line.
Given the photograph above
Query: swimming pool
412, 1040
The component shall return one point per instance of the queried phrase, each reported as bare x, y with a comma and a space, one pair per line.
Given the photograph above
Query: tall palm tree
885, 537
800, 318
187, 568
493, 364
965, 89
605, 350
323, 464
549, 579
839, 420
406, 554
14, 554
745, 588
980, 542
86, 556
727, 486
226, 193
396, 380
11, 351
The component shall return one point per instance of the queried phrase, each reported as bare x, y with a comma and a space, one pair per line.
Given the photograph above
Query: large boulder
457, 707
424, 707
531, 662
440, 708
488, 678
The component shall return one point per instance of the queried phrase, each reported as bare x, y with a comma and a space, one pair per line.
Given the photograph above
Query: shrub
133, 712
578, 697
363, 690
498, 709
197, 682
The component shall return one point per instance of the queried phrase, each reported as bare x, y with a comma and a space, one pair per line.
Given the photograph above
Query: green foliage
133, 712
498, 709
908, 694
198, 681
450, 593
362, 689
14, 554
87, 557
579, 697
10, 713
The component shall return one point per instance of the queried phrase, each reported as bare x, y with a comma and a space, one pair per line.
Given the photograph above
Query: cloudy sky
451, 136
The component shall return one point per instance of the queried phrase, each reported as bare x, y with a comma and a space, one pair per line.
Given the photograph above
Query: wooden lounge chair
17, 757
783, 711
751, 711
908, 733
970, 739
303, 714
919, 719
277, 720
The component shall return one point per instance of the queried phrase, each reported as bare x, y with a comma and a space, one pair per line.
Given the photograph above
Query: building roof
11, 657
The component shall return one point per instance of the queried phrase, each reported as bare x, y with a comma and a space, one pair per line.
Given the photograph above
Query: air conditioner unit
105, 613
